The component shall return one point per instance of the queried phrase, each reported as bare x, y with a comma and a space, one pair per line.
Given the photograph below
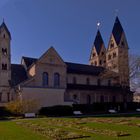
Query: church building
52, 81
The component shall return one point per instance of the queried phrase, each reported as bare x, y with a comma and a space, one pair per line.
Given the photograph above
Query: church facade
52, 81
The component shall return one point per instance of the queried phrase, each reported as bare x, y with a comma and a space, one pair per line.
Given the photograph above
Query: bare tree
134, 68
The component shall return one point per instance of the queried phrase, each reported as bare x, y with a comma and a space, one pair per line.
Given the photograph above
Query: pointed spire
98, 42
117, 30
3, 25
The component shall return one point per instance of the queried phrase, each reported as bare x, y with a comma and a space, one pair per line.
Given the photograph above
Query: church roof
18, 74
72, 67
83, 69
98, 42
3, 25
117, 30
29, 61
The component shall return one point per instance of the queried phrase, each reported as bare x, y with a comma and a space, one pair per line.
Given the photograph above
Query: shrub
19, 107
59, 110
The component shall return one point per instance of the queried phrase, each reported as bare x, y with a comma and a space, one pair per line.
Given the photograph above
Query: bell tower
98, 52
117, 53
5, 63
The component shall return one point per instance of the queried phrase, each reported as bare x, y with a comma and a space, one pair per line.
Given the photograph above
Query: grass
92, 128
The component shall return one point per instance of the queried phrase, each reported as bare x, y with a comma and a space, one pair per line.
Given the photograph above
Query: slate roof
83, 69
4, 25
18, 74
117, 30
98, 42
29, 61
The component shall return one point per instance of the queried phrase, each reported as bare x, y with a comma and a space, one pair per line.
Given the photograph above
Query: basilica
52, 81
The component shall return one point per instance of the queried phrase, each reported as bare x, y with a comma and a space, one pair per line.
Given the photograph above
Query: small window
104, 61
102, 53
100, 62
3, 35
56, 79
88, 81
109, 57
98, 82
74, 80
114, 55
94, 54
122, 43
4, 51
4, 66
112, 44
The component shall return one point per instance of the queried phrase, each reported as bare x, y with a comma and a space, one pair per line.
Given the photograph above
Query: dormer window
4, 51
4, 66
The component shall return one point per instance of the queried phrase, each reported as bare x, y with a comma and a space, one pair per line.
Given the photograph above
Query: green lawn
92, 128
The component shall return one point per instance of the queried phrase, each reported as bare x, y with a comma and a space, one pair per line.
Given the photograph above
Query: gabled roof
74, 67
3, 25
117, 30
18, 74
83, 69
29, 61
98, 42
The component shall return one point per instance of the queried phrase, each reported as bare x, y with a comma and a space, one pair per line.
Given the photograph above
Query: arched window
114, 54
88, 99
56, 79
45, 79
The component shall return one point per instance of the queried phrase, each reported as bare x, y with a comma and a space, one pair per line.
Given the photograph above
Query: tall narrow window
4, 66
88, 99
56, 79
98, 82
88, 81
0, 96
74, 80
45, 79
8, 96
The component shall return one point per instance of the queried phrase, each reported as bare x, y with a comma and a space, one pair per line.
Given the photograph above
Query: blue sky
68, 25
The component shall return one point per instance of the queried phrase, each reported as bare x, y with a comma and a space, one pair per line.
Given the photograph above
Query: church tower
5, 63
117, 53
98, 52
